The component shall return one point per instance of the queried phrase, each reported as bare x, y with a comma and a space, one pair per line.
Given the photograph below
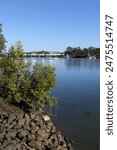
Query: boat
67, 56
92, 57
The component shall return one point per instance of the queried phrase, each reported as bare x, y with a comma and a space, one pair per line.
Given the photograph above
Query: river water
77, 114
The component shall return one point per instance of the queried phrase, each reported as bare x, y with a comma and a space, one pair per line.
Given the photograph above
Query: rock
21, 122
31, 137
33, 131
32, 125
2, 134
38, 137
9, 147
36, 128
34, 144
27, 127
59, 147
32, 116
11, 134
2, 127
64, 145
4, 122
11, 118
55, 141
23, 134
53, 129
50, 124
18, 146
29, 148
6, 142
23, 144
46, 118
42, 133
3, 115
27, 117
15, 126
38, 123
0, 144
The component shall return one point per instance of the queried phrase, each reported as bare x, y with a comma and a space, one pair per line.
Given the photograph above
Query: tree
2, 40
18, 85
77, 52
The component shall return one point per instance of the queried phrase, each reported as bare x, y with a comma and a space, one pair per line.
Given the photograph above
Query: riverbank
29, 131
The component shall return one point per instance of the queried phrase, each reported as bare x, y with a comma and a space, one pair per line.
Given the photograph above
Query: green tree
18, 85
77, 52
2, 40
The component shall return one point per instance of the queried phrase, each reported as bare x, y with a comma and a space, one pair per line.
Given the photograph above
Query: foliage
76, 52
2, 40
29, 89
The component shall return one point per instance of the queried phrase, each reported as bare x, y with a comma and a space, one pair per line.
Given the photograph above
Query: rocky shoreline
29, 131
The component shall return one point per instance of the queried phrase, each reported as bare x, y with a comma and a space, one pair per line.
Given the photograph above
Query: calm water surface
77, 113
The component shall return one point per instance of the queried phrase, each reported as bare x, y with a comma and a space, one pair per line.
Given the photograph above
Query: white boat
67, 56
92, 57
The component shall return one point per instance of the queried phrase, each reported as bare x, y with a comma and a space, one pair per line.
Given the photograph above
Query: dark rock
32, 125
55, 141
4, 122
23, 134
34, 130
27, 127
34, 144
11, 135
38, 137
18, 146
16, 126
30, 132
2, 134
6, 142
27, 118
8, 147
1, 120
21, 122
31, 137
53, 129
43, 133
32, 116
11, 118
59, 147
3, 115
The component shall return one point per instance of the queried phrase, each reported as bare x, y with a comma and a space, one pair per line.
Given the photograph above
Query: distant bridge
44, 54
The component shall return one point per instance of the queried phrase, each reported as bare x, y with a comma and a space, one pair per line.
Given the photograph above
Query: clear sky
51, 24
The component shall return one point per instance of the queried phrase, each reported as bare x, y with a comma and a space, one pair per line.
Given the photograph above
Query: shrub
18, 85
2, 40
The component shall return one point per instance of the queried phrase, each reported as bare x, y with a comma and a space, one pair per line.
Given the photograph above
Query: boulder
46, 118
34, 131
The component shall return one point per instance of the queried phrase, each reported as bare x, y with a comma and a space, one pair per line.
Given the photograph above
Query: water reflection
73, 63
79, 63
78, 96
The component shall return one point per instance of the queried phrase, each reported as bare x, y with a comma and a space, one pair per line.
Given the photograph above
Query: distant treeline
76, 52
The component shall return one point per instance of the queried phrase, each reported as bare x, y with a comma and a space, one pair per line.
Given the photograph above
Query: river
77, 114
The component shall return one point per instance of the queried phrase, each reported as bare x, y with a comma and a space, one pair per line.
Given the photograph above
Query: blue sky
51, 24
